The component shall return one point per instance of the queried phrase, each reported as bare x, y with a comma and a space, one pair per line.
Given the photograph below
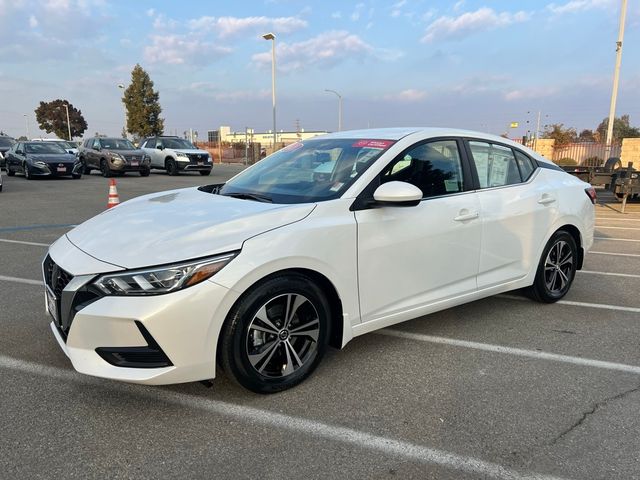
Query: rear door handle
466, 216
546, 199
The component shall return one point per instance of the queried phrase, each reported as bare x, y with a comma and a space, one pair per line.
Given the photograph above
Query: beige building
225, 134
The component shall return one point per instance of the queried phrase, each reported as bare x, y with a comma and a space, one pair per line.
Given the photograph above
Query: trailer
625, 184
597, 176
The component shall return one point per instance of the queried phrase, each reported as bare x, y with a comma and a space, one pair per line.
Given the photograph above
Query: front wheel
204, 173
556, 270
276, 334
27, 173
10, 172
104, 168
144, 172
172, 168
76, 176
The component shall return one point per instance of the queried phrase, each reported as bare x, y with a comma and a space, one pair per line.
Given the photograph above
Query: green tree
143, 107
561, 135
587, 136
621, 129
52, 117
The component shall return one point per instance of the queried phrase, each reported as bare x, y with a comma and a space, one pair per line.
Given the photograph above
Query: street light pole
66, 107
272, 37
339, 107
616, 78
124, 106
26, 123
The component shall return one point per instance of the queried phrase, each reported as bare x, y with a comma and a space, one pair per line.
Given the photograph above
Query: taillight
591, 193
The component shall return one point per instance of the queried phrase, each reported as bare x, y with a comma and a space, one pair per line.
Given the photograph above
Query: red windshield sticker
373, 143
293, 147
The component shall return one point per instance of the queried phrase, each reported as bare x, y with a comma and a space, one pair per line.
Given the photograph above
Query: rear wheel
276, 335
556, 270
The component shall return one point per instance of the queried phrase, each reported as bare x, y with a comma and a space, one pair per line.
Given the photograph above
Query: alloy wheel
558, 267
283, 335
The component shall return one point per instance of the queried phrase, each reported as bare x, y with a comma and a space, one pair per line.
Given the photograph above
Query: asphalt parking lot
500, 388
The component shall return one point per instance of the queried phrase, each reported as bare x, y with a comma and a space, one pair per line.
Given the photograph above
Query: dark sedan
42, 159
5, 144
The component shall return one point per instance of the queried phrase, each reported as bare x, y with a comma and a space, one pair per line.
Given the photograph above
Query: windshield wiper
250, 196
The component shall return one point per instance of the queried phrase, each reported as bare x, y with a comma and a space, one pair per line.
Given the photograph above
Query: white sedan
327, 239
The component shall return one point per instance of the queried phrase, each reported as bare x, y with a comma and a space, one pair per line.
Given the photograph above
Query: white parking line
617, 228
602, 306
21, 242
591, 252
620, 219
368, 441
487, 347
610, 274
616, 239
21, 280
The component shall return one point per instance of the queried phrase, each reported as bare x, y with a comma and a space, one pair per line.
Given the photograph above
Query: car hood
178, 225
190, 151
51, 157
126, 152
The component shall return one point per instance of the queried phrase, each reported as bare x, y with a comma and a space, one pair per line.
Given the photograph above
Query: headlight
157, 281
40, 164
117, 156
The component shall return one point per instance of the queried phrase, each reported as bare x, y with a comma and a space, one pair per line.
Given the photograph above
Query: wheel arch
335, 303
577, 237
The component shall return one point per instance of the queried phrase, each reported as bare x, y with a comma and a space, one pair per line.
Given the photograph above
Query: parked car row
110, 156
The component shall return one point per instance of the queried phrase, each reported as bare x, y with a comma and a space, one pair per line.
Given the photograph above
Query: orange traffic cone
114, 199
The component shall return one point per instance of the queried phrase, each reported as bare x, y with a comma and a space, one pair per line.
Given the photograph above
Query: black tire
145, 172
104, 168
26, 172
76, 176
556, 269
172, 167
85, 169
240, 335
204, 173
10, 172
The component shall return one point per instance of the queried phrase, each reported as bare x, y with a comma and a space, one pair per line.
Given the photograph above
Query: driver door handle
465, 215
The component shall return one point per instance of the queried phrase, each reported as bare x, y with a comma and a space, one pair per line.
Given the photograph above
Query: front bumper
183, 325
56, 169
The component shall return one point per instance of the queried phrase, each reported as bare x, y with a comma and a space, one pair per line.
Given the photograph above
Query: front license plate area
62, 169
200, 163
52, 306
134, 163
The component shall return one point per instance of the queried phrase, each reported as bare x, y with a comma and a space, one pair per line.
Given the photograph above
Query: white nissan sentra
327, 239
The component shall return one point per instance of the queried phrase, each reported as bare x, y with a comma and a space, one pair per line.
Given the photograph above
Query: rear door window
495, 164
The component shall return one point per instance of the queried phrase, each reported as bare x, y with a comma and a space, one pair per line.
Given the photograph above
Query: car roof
401, 132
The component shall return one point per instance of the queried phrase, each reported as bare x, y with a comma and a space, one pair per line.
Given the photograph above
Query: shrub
594, 161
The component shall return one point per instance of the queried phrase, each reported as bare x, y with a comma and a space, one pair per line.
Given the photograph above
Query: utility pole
66, 107
616, 78
26, 122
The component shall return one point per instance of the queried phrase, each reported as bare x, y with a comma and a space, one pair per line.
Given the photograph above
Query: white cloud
409, 95
182, 49
151, 12
355, 15
530, 93
483, 19
324, 50
575, 6
33, 22
228, 27
336, 15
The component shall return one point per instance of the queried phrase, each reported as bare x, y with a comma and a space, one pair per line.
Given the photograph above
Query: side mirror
98, 148
160, 147
400, 194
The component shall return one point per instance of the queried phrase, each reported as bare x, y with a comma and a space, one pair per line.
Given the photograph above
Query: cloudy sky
471, 64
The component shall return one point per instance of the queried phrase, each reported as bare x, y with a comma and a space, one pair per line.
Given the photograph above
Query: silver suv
175, 154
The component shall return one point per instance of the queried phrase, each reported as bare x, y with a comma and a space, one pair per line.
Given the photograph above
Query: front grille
133, 158
197, 157
55, 277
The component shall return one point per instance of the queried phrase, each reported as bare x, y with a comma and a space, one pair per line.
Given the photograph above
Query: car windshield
176, 143
6, 142
67, 145
310, 171
116, 144
43, 147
